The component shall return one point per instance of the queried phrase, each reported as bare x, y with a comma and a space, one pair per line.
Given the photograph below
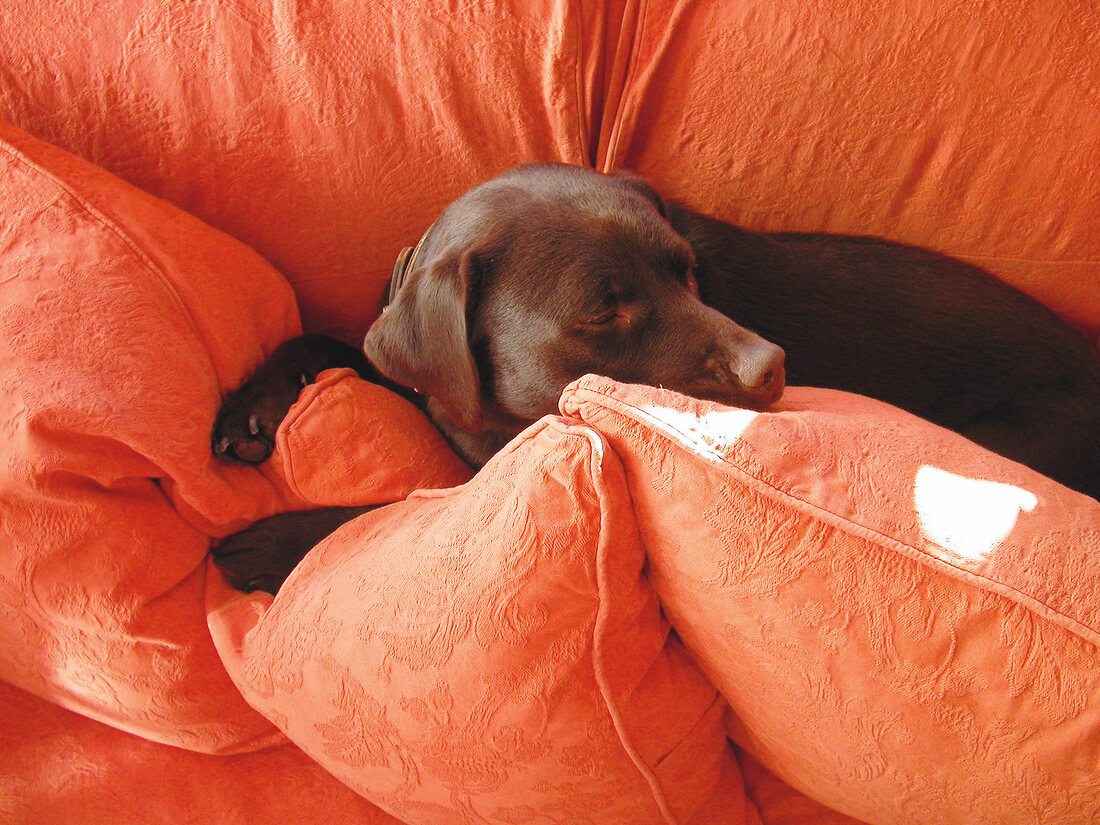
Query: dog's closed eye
617, 315
610, 313
603, 319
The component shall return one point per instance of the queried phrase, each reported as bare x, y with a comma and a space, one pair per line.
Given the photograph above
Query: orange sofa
646, 609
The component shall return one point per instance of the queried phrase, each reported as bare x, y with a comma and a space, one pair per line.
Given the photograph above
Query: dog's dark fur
548, 272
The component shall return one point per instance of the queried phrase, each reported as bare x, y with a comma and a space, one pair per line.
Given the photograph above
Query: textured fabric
119, 331
347, 442
779, 804
492, 653
122, 323
905, 625
326, 136
329, 135
969, 128
75, 771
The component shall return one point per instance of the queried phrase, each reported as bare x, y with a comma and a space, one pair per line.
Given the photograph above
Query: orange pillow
905, 625
347, 442
492, 651
123, 322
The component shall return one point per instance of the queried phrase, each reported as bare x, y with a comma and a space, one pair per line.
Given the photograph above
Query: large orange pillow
123, 322
905, 625
492, 651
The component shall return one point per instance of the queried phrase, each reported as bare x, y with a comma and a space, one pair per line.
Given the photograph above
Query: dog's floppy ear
422, 340
643, 187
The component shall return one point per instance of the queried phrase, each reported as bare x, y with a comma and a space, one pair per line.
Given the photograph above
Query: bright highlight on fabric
707, 435
967, 516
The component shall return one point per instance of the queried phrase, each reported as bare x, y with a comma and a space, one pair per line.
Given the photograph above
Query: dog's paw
262, 556
244, 429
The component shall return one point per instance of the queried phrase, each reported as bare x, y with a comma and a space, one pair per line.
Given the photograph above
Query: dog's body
925, 332
548, 272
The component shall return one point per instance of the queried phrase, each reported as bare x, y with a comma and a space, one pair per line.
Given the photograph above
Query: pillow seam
596, 458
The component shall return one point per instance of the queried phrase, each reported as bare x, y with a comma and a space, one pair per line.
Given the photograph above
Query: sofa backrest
328, 136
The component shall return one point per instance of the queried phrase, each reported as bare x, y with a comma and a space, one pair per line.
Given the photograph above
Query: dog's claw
252, 449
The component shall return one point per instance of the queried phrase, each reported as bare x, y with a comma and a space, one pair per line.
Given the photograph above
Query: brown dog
548, 272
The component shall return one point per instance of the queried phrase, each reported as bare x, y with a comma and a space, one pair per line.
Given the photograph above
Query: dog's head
546, 273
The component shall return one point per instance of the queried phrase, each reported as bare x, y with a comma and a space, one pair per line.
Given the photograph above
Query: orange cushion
122, 324
122, 321
348, 442
905, 625
491, 650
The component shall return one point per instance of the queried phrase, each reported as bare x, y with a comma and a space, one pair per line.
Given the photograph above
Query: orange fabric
118, 333
905, 625
347, 442
779, 803
329, 136
325, 136
75, 771
966, 128
491, 650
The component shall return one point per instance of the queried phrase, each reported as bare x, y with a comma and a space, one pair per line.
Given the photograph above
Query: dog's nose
760, 371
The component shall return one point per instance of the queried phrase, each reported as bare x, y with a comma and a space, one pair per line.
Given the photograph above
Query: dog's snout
754, 369
761, 367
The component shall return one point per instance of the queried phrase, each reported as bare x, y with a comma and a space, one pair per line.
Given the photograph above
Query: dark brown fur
548, 272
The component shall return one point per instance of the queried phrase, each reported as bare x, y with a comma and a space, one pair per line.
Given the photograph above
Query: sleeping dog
548, 272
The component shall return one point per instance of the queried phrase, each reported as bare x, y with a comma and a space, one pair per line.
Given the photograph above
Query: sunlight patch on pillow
966, 516
707, 435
